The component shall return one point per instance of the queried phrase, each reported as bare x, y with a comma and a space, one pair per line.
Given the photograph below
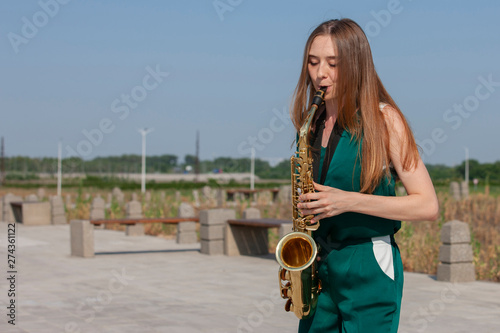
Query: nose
322, 70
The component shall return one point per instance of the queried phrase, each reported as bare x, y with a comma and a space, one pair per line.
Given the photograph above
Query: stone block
458, 272
212, 247
263, 197
251, 213
134, 210
212, 232
31, 198
36, 213
245, 240
59, 219
284, 229
455, 190
97, 214
186, 232
187, 237
186, 226
206, 191
8, 213
464, 190
98, 203
58, 210
185, 210
82, 238
41, 193
196, 198
216, 216
116, 191
98, 209
455, 253
68, 201
285, 194
455, 232
56, 201
212, 224
221, 197
120, 198
135, 230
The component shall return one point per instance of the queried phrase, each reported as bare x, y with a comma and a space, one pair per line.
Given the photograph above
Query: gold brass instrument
296, 252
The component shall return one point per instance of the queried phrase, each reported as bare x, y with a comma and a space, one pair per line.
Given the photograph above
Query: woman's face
322, 65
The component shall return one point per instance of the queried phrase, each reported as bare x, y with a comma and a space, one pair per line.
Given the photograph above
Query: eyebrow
329, 57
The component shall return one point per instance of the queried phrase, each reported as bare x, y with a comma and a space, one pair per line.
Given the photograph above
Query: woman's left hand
326, 201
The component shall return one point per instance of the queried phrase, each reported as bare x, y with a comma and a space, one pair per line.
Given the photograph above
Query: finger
310, 204
310, 196
323, 214
306, 212
320, 217
320, 187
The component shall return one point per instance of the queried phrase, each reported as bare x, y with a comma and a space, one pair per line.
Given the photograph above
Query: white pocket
382, 250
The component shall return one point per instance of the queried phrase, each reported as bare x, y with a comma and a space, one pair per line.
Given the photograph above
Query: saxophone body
296, 252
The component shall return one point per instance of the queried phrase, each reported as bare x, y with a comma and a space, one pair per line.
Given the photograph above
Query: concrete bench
250, 236
32, 213
186, 226
248, 192
82, 231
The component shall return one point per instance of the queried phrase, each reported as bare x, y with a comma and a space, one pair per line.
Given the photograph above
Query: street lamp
144, 132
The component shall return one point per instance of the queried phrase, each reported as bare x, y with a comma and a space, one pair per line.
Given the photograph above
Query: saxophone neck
305, 128
316, 102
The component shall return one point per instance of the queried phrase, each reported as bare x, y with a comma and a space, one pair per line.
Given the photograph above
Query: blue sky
91, 73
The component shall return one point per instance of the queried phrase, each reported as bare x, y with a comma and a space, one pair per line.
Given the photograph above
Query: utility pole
144, 132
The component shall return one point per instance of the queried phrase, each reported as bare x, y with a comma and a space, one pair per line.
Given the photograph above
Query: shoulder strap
330, 150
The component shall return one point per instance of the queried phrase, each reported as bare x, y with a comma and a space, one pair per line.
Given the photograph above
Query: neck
331, 111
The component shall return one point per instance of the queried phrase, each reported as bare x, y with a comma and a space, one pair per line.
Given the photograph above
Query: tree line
21, 167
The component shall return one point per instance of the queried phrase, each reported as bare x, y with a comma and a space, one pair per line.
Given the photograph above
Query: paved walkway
148, 284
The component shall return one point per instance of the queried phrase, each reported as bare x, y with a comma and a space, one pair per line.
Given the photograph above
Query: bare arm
420, 204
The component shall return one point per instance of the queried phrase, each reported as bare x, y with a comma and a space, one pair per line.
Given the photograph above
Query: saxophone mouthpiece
319, 96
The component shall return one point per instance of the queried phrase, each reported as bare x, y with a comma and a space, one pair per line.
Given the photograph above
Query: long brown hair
359, 92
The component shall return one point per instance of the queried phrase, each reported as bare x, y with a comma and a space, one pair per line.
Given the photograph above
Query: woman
360, 141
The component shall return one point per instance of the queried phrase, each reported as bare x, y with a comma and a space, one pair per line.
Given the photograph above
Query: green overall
360, 270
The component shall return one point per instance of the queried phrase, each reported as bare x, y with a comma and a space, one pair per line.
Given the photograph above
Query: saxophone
296, 252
